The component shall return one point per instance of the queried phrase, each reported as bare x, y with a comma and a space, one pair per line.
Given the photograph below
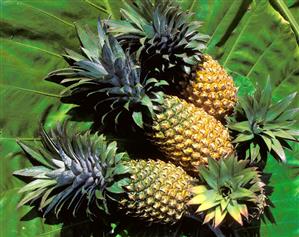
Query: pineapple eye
225, 191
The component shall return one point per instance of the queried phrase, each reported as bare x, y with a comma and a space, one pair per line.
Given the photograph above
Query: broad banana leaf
251, 38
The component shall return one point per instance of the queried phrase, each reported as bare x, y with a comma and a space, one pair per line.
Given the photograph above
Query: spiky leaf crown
72, 169
162, 34
261, 126
228, 188
106, 75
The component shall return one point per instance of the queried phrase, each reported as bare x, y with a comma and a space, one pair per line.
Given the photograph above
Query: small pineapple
74, 169
261, 127
158, 191
212, 89
107, 77
229, 188
169, 46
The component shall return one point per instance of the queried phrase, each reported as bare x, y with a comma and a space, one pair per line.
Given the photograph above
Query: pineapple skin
158, 191
188, 136
212, 89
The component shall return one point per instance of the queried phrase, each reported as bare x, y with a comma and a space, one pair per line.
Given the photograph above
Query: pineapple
169, 46
76, 169
106, 77
158, 191
261, 127
188, 135
229, 188
212, 89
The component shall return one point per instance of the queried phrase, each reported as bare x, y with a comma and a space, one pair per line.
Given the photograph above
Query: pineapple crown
228, 187
70, 169
261, 126
106, 75
162, 35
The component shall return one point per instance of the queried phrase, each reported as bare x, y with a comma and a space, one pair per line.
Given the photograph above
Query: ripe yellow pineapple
211, 88
169, 46
88, 167
188, 135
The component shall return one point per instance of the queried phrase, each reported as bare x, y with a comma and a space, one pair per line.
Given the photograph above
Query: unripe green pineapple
185, 134
87, 168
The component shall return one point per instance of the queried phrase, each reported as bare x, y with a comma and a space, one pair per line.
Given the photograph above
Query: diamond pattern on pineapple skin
212, 89
188, 135
163, 198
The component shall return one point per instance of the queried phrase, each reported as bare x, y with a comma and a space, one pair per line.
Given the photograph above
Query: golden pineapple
188, 135
88, 167
158, 191
171, 48
211, 89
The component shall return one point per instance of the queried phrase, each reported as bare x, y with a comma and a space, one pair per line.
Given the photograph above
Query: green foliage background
251, 38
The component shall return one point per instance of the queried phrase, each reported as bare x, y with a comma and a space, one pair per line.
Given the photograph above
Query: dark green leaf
117, 187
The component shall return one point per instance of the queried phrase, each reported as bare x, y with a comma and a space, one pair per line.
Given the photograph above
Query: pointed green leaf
121, 169
89, 41
117, 187
242, 193
243, 210
240, 127
279, 107
137, 117
234, 211
206, 205
289, 114
223, 204
31, 196
198, 189
219, 216
283, 134
209, 216
32, 171
243, 138
38, 183
208, 177
279, 150
266, 96
209, 195
267, 141
35, 155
